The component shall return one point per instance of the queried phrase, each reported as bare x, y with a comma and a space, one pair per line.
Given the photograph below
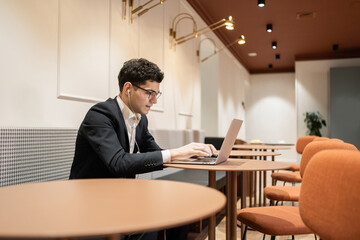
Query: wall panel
84, 49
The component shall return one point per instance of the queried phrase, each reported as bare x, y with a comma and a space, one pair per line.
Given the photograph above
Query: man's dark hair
137, 71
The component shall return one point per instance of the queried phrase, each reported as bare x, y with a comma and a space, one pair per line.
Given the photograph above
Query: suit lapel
122, 130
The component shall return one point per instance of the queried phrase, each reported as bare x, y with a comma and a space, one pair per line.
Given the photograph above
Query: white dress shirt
131, 121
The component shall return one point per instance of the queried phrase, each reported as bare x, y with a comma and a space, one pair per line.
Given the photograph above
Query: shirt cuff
166, 155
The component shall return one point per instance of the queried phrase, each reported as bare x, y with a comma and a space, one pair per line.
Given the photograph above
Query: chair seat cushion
280, 193
287, 176
275, 220
294, 167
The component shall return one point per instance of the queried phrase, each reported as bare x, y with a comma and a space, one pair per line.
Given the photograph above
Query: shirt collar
128, 115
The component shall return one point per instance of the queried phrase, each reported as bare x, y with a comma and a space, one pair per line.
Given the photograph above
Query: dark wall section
345, 104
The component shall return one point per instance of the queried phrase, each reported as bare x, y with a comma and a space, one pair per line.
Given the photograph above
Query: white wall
210, 88
231, 93
312, 88
270, 110
223, 89
59, 57
29, 67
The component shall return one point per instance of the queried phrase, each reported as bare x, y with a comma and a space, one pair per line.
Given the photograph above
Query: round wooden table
261, 146
238, 153
231, 166
102, 207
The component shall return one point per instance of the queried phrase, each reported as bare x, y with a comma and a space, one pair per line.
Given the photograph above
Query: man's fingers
213, 149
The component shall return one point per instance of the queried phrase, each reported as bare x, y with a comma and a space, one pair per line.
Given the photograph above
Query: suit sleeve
100, 130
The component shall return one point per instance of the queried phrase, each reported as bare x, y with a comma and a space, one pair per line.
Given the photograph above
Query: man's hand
193, 149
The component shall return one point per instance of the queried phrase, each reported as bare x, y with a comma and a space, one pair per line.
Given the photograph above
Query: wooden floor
254, 235
251, 234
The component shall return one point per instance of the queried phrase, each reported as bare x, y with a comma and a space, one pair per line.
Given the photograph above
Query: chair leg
316, 237
292, 237
245, 230
264, 237
273, 237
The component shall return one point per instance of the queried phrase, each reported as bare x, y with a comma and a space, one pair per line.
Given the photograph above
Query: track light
335, 47
240, 41
261, 3
269, 27
270, 66
277, 56
274, 45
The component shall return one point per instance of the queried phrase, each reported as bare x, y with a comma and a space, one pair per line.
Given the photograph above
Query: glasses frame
149, 92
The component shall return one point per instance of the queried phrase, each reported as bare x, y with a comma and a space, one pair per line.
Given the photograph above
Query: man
114, 130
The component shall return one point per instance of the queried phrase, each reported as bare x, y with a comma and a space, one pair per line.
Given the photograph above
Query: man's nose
153, 100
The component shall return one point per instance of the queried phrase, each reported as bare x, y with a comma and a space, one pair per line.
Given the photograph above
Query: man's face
140, 100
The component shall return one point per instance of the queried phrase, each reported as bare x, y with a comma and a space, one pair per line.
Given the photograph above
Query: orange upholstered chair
285, 220
330, 195
292, 193
294, 175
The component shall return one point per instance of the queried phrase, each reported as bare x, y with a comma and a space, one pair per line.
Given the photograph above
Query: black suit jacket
102, 146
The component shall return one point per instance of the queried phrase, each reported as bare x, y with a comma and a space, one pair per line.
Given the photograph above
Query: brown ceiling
312, 36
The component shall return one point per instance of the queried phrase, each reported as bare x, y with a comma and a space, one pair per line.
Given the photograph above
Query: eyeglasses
151, 93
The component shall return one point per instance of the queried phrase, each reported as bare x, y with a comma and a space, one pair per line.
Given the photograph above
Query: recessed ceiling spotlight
274, 45
269, 27
277, 56
270, 66
335, 47
261, 3
252, 54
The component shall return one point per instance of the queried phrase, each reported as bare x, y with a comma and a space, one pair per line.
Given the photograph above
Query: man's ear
126, 88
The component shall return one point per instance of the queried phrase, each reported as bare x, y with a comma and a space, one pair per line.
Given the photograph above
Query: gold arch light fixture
228, 23
240, 41
141, 7
177, 19
208, 39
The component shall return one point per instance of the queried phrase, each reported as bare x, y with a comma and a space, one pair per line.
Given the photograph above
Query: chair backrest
325, 138
302, 142
316, 146
330, 195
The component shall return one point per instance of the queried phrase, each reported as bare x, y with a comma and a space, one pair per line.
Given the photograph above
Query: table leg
273, 159
260, 180
255, 188
251, 194
243, 202
264, 198
113, 237
212, 219
228, 203
265, 179
233, 203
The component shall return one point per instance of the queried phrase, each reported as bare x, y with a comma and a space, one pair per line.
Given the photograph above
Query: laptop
225, 149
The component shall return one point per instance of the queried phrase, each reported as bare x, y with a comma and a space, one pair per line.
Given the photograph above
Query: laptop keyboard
204, 159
